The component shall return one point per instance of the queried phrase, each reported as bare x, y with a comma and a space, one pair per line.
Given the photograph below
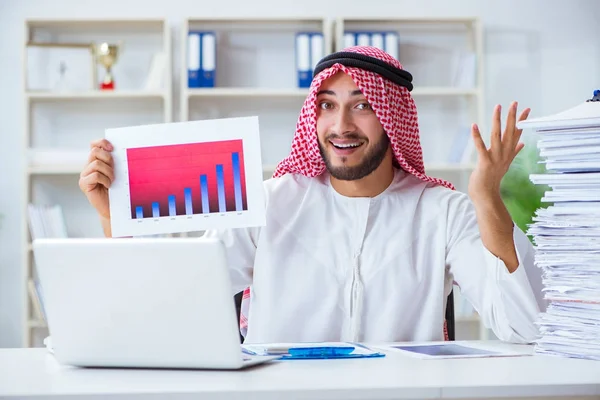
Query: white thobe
332, 268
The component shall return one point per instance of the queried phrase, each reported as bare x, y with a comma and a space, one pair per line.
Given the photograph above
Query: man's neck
369, 186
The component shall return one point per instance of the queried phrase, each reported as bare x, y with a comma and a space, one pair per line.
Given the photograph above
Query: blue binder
201, 59
309, 50
193, 59
387, 41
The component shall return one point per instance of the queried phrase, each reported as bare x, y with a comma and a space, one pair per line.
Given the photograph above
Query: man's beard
371, 161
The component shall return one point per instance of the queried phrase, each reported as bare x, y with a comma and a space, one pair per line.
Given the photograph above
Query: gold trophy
107, 55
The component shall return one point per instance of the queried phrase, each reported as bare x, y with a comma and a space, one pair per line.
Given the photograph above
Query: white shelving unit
124, 94
255, 75
60, 124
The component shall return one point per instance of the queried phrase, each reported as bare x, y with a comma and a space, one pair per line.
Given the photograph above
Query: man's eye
364, 106
325, 105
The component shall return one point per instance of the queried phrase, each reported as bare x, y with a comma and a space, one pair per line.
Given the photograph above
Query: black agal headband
350, 59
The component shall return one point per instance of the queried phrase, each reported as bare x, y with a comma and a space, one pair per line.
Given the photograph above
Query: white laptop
142, 302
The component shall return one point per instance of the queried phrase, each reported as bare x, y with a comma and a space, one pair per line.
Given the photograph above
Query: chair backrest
238, 309
450, 325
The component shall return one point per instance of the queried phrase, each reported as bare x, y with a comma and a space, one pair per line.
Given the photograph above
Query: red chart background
159, 171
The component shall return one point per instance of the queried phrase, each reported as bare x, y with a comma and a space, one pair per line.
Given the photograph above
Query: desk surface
33, 373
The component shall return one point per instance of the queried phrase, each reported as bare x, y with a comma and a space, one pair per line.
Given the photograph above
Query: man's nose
344, 122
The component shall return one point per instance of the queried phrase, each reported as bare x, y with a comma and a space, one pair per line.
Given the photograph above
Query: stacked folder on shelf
310, 48
567, 232
201, 58
388, 41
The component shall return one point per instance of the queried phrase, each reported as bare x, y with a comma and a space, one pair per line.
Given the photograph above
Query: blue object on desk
319, 352
313, 351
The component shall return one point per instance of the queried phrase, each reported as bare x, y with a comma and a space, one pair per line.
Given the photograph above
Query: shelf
56, 118
259, 24
55, 169
444, 91
246, 92
415, 20
95, 24
302, 93
93, 95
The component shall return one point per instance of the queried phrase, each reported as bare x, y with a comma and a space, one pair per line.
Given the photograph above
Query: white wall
543, 53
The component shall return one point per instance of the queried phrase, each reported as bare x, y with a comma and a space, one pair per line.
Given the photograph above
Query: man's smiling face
351, 138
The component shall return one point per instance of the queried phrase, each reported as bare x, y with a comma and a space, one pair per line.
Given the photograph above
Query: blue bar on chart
237, 181
172, 208
139, 212
204, 193
221, 188
188, 201
155, 210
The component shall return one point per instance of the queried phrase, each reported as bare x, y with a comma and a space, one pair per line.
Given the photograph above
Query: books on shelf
35, 294
310, 48
46, 221
201, 58
156, 77
388, 41
462, 148
567, 233
464, 67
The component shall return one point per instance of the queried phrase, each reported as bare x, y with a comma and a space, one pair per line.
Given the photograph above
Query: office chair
450, 326
238, 309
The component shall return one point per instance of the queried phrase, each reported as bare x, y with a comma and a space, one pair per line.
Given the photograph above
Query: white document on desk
450, 350
186, 176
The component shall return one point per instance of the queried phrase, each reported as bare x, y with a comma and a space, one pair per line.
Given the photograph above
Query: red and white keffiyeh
396, 111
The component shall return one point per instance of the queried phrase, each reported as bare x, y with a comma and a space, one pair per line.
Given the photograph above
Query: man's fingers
98, 153
90, 181
478, 140
518, 148
511, 120
496, 127
524, 115
516, 136
103, 144
100, 167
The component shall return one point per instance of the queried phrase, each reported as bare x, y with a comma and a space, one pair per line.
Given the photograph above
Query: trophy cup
106, 55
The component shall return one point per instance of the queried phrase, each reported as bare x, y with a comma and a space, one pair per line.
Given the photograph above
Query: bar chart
187, 179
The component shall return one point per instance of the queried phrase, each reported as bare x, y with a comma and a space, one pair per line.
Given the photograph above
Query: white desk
34, 373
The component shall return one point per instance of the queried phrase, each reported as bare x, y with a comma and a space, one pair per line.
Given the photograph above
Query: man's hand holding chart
188, 176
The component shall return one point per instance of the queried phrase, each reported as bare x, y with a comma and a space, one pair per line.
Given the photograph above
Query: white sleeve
240, 245
505, 302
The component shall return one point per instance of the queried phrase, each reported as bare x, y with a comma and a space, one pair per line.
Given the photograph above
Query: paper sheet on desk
450, 350
186, 176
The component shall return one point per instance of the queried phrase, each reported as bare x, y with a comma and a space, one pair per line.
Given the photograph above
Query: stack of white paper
567, 233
